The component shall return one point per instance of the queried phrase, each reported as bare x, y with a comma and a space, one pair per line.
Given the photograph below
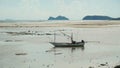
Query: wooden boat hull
80, 44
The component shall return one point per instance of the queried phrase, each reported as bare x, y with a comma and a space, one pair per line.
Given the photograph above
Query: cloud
27, 9
42, 9
71, 9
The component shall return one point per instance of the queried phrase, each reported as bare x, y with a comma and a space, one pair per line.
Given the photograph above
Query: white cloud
73, 9
28, 9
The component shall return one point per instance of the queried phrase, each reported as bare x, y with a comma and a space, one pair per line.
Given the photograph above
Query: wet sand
26, 45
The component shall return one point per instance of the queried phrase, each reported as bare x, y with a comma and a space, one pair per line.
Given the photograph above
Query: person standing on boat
82, 41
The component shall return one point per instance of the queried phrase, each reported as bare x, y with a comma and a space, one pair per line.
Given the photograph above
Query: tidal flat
26, 45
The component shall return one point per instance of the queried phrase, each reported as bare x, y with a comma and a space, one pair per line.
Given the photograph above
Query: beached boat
72, 44
79, 44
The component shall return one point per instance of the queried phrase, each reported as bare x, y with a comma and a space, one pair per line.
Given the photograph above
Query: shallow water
102, 47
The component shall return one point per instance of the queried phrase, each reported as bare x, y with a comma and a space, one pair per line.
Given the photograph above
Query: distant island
97, 17
58, 18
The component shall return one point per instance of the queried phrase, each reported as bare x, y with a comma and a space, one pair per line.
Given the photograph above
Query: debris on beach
21, 54
13, 40
91, 67
52, 50
20, 33
58, 53
103, 64
8, 40
48, 34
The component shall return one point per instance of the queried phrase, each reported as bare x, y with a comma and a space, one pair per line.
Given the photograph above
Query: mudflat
26, 44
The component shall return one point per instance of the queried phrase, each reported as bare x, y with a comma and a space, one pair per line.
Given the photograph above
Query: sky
42, 9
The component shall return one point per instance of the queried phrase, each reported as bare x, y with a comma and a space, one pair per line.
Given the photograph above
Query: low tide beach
26, 44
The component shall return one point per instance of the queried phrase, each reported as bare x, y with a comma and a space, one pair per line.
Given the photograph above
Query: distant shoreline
76, 24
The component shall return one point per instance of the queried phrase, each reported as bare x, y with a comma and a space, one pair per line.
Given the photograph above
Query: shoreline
80, 24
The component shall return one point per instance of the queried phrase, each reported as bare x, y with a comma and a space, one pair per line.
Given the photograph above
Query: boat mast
71, 37
54, 36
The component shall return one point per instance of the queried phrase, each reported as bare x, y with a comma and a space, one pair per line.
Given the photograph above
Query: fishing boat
80, 44
71, 44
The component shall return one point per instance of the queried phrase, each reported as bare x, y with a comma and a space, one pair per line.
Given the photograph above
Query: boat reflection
66, 54
67, 49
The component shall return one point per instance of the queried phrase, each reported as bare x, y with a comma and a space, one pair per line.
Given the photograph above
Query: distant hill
58, 18
116, 19
96, 17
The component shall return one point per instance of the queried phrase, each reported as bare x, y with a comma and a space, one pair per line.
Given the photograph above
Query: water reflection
72, 49
66, 54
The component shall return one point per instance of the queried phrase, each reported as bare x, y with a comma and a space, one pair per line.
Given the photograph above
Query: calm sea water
102, 47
